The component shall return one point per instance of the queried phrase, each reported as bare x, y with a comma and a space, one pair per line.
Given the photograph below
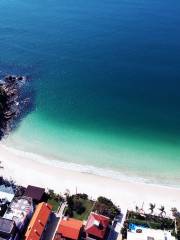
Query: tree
70, 202
81, 195
152, 207
79, 207
162, 210
69, 212
104, 200
51, 193
137, 208
106, 207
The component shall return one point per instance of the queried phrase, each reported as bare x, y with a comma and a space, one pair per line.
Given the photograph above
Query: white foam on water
87, 169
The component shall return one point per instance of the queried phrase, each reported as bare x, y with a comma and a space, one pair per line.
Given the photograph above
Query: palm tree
152, 207
137, 208
162, 210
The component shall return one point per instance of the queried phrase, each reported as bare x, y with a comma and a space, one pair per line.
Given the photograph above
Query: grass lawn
88, 204
54, 203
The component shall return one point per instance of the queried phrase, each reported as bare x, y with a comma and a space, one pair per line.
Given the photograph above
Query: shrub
69, 212
81, 210
105, 201
70, 202
81, 195
106, 207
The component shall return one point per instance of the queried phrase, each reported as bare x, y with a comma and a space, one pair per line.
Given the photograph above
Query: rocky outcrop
10, 100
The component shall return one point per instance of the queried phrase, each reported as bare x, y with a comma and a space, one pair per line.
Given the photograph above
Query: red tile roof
38, 221
69, 228
97, 225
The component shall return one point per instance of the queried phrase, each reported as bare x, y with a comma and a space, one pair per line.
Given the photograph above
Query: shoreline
59, 162
27, 171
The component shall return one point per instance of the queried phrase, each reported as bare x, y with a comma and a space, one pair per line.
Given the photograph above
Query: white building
149, 234
6, 193
20, 211
7, 196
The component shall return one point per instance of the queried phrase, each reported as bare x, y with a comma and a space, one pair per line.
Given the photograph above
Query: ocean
106, 77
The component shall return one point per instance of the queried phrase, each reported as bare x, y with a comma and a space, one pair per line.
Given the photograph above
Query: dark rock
9, 97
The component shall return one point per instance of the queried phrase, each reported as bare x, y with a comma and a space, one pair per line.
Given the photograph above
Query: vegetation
162, 210
124, 231
79, 206
19, 191
54, 199
55, 204
152, 207
176, 215
149, 221
106, 207
178, 227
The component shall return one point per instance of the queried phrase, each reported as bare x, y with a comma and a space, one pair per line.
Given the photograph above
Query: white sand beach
26, 170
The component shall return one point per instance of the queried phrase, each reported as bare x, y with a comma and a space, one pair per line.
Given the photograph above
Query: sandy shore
26, 170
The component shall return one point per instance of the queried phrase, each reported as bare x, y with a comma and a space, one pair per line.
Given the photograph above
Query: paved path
49, 233
52, 226
61, 210
115, 232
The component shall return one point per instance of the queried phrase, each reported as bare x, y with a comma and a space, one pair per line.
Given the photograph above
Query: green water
130, 156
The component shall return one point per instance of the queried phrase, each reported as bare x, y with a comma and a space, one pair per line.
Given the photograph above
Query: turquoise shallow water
106, 77
126, 156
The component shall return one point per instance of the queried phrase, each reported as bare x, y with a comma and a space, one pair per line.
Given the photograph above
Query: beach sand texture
24, 169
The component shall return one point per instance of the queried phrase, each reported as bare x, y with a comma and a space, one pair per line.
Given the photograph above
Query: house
68, 228
36, 193
7, 229
5, 199
20, 211
8, 197
6, 192
38, 222
149, 234
97, 227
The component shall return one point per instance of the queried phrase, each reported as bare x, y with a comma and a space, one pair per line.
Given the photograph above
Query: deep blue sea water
107, 79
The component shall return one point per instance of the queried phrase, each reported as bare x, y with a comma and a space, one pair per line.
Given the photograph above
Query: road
53, 224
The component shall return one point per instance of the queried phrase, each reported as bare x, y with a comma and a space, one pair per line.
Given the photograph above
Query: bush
106, 207
150, 221
124, 232
81, 195
70, 202
81, 210
51, 193
77, 205
69, 212
105, 201
178, 226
